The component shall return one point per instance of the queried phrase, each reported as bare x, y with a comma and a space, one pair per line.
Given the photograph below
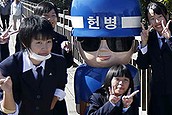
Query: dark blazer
57, 40
160, 61
35, 100
99, 105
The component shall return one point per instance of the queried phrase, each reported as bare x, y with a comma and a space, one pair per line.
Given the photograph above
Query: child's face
120, 85
156, 21
104, 57
41, 47
52, 17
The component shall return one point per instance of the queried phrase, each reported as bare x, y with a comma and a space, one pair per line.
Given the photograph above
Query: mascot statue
105, 31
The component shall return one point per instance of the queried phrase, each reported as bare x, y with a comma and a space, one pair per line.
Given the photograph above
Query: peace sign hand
113, 98
145, 34
4, 38
128, 99
166, 32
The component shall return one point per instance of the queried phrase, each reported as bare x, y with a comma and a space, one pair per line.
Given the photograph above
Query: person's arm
69, 58
133, 109
143, 54
67, 53
98, 106
59, 95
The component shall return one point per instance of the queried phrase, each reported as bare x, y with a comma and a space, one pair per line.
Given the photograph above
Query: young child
27, 91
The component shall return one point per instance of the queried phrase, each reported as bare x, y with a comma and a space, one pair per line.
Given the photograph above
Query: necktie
39, 76
163, 40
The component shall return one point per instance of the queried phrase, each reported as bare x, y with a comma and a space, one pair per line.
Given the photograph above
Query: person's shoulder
100, 92
131, 67
57, 56
16, 55
14, 59
152, 34
57, 59
59, 36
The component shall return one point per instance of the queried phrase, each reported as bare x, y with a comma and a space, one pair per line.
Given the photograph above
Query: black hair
45, 7
118, 71
157, 7
34, 27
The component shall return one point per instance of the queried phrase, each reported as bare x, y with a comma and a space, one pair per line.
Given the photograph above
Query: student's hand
66, 46
6, 84
54, 101
144, 35
113, 98
4, 38
78, 108
166, 32
128, 99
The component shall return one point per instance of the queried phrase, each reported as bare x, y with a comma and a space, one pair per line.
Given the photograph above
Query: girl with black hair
115, 97
155, 51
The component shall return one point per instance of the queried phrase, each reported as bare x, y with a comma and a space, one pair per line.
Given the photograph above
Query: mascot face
103, 31
106, 52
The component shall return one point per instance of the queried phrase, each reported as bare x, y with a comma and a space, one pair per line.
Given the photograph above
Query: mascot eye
115, 44
89, 44
120, 44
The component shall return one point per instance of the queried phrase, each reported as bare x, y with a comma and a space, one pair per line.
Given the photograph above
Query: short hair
157, 7
34, 27
118, 71
45, 7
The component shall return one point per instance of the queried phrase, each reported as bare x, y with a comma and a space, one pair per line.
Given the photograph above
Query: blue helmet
106, 18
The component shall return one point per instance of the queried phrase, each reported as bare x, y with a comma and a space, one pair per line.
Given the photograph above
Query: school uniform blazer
99, 105
160, 60
35, 100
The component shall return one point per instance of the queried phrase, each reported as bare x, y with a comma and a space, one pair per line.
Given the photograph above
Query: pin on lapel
50, 74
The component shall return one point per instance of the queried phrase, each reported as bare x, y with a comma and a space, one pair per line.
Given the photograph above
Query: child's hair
118, 71
157, 7
45, 7
34, 27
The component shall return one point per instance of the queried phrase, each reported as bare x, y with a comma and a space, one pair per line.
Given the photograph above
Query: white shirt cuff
60, 93
125, 109
144, 49
16, 112
117, 104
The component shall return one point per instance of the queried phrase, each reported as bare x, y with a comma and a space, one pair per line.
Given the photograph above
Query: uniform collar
27, 64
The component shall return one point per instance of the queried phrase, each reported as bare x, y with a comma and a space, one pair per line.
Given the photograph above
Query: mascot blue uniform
105, 31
